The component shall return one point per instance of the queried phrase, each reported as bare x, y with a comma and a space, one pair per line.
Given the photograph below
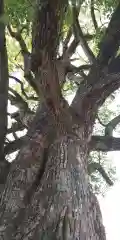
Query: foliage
14, 57
19, 12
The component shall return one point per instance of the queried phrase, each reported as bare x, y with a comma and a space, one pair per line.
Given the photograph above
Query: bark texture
3, 83
57, 204
47, 194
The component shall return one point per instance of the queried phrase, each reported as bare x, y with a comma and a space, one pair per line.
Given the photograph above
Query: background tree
47, 194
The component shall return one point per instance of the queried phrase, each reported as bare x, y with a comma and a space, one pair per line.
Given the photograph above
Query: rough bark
3, 83
50, 199
47, 193
4, 166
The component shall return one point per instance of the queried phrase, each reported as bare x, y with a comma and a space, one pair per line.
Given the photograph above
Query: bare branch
15, 135
104, 144
18, 37
110, 42
24, 115
17, 100
98, 90
23, 91
71, 72
16, 126
92, 167
71, 49
105, 82
31, 80
80, 36
114, 65
89, 37
15, 116
14, 146
26, 57
111, 126
104, 125
66, 41
81, 69
93, 15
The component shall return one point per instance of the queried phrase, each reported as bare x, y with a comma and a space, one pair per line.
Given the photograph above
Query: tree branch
111, 126
71, 49
66, 41
17, 100
14, 146
18, 37
92, 167
104, 144
26, 57
16, 126
96, 78
110, 42
15, 116
98, 143
96, 91
80, 36
114, 65
81, 69
23, 91
93, 15
100, 121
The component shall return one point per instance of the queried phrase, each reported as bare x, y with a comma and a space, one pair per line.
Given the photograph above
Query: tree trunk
3, 84
4, 166
47, 193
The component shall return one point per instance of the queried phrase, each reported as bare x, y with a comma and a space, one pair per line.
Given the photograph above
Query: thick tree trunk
4, 166
65, 205
47, 193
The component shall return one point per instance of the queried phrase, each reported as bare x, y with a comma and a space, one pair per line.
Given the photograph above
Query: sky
110, 204
110, 207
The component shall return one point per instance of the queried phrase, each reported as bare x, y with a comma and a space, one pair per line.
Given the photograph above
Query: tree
47, 194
